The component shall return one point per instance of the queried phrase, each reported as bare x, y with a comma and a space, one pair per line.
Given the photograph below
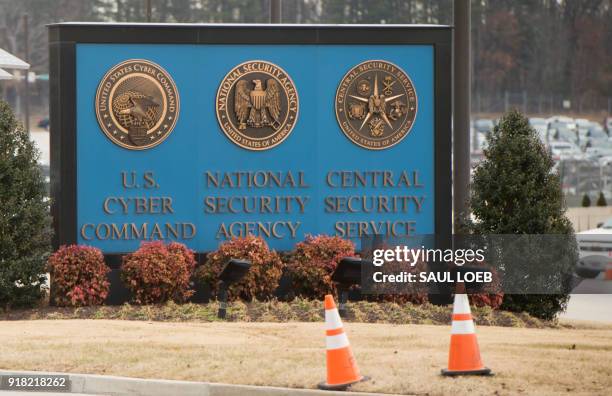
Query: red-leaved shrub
491, 294
395, 292
78, 276
156, 273
313, 262
400, 292
262, 279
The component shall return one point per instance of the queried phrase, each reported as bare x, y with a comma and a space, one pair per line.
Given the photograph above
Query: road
591, 301
41, 140
589, 307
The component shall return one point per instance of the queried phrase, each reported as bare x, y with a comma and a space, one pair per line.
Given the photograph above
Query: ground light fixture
347, 274
233, 272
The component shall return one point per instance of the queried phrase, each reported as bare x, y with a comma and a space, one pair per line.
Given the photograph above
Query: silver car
595, 250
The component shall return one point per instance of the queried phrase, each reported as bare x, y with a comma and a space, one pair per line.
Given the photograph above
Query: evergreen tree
515, 192
24, 216
601, 201
586, 201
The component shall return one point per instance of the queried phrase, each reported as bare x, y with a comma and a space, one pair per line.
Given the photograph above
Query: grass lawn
298, 310
403, 359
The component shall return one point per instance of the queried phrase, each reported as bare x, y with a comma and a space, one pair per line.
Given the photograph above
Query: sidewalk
11, 393
88, 384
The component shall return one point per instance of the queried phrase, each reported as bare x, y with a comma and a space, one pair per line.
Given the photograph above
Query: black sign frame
64, 37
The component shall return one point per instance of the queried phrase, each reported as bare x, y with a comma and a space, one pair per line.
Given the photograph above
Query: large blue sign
202, 133
199, 187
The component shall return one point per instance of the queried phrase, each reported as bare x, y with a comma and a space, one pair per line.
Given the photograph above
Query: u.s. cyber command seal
257, 105
137, 104
376, 104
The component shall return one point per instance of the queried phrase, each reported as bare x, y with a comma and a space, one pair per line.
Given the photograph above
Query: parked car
600, 148
596, 131
608, 125
562, 121
44, 123
484, 125
592, 135
595, 124
605, 160
562, 150
533, 121
483, 143
541, 127
46, 173
595, 250
562, 133
582, 123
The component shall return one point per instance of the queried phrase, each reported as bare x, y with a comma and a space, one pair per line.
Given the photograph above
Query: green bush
601, 201
156, 273
78, 275
515, 191
24, 216
543, 306
313, 261
262, 279
586, 201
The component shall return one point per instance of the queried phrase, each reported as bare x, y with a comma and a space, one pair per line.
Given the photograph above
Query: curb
123, 386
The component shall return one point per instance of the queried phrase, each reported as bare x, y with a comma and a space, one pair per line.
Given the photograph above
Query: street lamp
347, 274
233, 272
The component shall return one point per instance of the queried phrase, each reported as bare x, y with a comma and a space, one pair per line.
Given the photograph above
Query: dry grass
298, 310
402, 359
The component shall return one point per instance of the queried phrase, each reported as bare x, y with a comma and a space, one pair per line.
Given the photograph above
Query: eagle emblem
257, 107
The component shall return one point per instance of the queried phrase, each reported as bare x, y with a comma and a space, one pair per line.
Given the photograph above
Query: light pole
461, 111
26, 46
275, 11
148, 6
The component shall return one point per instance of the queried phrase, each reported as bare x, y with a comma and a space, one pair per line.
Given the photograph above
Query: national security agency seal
376, 104
137, 104
257, 105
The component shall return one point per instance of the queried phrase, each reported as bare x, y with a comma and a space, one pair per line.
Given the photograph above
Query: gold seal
376, 104
257, 105
137, 104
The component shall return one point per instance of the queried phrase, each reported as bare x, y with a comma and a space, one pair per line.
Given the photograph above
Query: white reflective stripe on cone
463, 327
337, 341
332, 319
461, 304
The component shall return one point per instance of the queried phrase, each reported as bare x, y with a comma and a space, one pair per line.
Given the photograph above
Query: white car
592, 135
600, 149
595, 250
560, 150
582, 123
562, 121
541, 127
605, 161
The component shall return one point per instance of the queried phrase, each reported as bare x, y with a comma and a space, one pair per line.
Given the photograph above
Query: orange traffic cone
608, 274
464, 355
342, 369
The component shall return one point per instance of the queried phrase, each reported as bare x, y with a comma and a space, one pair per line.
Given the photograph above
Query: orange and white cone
342, 368
608, 273
464, 354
